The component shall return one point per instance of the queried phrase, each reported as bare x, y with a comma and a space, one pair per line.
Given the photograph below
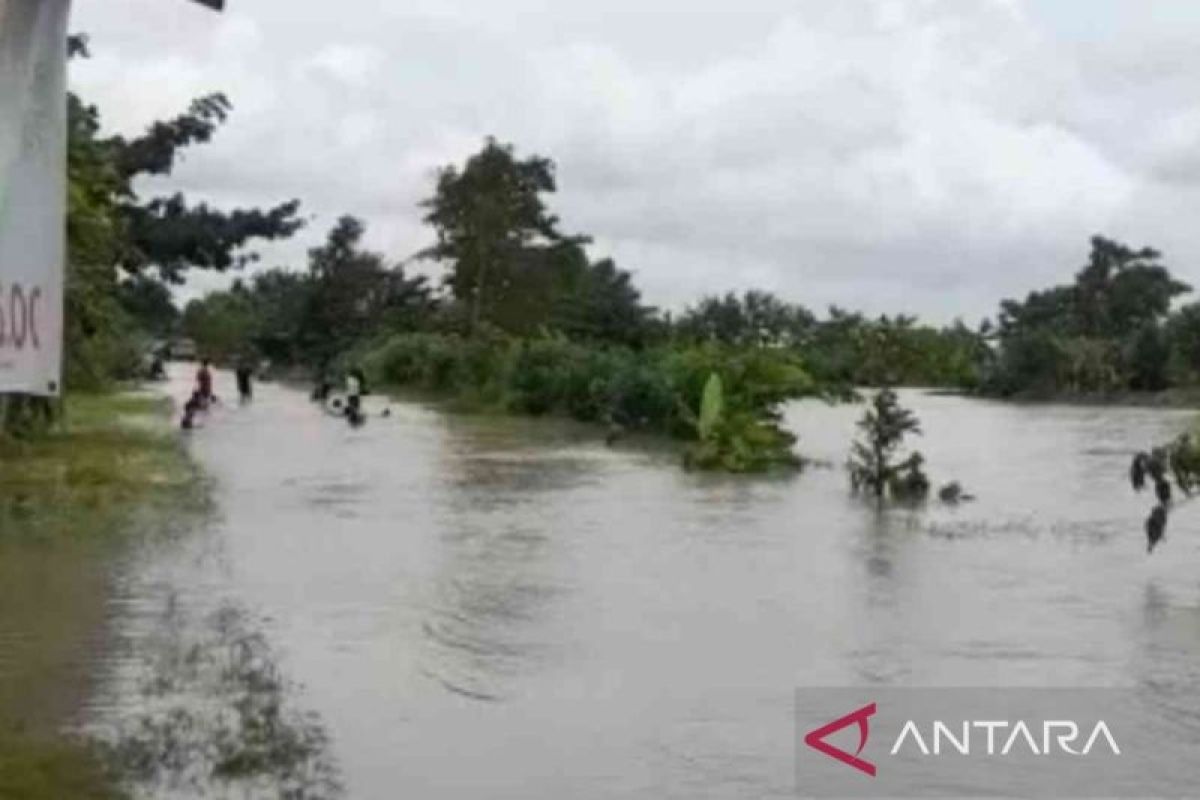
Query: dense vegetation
525, 320
523, 317
1111, 330
658, 389
1177, 464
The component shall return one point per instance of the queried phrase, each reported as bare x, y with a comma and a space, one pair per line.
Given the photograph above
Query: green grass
112, 456
69, 500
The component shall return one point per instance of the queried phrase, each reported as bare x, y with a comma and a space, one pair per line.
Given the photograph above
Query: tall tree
355, 292
1105, 331
112, 230
492, 226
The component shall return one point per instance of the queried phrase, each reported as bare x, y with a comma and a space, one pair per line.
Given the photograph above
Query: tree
1183, 337
223, 324
149, 304
492, 227
603, 305
354, 292
1122, 289
1103, 332
756, 318
116, 237
873, 468
281, 299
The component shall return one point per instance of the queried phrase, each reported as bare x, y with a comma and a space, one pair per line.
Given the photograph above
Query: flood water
479, 607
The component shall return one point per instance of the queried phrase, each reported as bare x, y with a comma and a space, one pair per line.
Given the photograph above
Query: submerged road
486, 607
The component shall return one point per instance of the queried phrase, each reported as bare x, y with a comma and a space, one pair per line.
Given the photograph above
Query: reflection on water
214, 716
490, 607
496, 575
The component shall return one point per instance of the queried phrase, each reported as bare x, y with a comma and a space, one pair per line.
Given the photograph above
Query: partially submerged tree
874, 466
735, 439
1178, 461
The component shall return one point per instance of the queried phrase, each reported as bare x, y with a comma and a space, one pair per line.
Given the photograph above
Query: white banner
33, 155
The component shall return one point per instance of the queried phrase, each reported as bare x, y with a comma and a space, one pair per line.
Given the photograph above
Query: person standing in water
245, 377
355, 387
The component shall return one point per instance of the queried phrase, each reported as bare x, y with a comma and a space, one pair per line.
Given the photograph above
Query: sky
919, 156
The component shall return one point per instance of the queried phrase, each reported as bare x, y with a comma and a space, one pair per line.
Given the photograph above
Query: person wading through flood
204, 382
245, 378
355, 388
190, 409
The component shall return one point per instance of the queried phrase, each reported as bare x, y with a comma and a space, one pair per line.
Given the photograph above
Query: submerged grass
111, 457
66, 498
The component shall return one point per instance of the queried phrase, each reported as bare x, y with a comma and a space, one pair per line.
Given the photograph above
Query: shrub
657, 389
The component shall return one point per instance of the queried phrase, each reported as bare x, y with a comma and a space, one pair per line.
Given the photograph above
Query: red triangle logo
816, 739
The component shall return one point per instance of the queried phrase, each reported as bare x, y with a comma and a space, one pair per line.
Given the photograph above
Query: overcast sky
930, 157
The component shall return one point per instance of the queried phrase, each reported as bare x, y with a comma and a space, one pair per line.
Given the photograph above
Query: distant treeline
1111, 330
508, 269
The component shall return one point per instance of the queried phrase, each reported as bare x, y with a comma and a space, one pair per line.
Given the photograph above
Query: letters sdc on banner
32, 193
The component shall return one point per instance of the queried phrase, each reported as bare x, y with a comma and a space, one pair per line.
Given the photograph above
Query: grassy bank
722, 402
69, 498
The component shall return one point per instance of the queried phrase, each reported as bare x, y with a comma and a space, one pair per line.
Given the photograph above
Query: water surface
497, 607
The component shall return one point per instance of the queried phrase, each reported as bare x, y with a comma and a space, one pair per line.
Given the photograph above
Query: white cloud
352, 65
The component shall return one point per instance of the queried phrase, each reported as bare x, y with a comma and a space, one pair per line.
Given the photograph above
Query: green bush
656, 390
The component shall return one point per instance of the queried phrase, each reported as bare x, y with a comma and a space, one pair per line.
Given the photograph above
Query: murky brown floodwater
504, 608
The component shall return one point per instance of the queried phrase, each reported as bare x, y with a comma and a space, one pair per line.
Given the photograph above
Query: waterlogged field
69, 503
459, 606
205, 710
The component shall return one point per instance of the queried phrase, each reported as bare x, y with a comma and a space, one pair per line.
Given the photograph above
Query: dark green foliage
873, 468
111, 228
223, 324
172, 236
1183, 337
658, 389
1149, 358
155, 151
735, 438
508, 263
348, 295
1177, 462
353, 293
491, 222
1111, 330
149, 303
755, 318
844, 349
